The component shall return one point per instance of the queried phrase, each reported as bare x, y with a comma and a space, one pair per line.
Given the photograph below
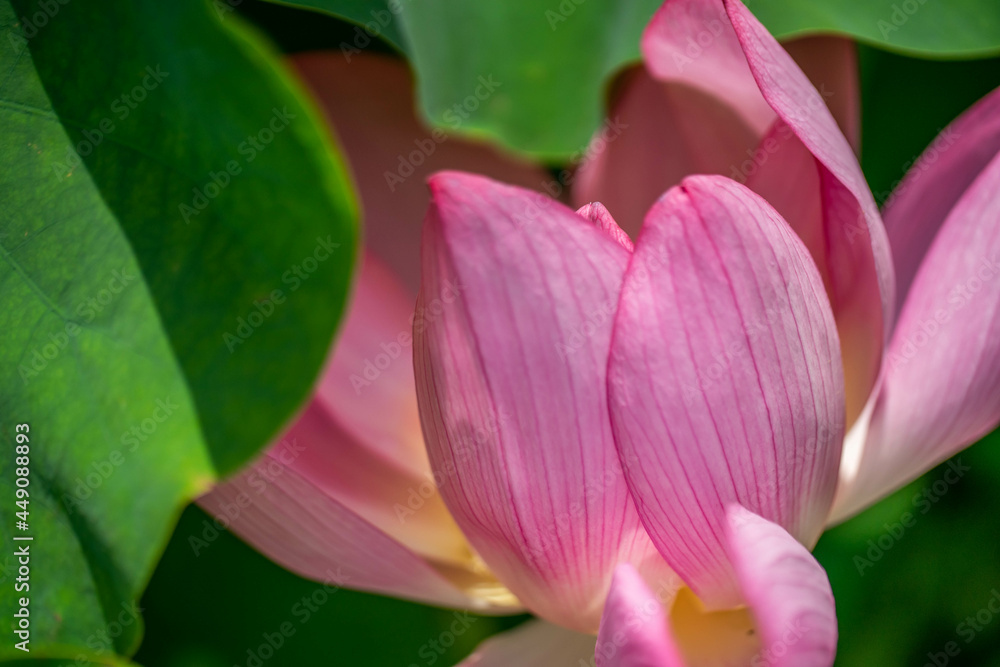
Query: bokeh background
903, 593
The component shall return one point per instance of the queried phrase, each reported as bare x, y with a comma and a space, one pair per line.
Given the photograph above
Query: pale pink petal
404, 505
534, 644
596, 213
510, 382
919, 205
351, 488
831, 63
698, 115
277, 510
854, 254
369, 100
692, 42
359, 439
787, 591
367, 387
724, 380
357, 445
662, 132
787, 175
857, 262
796, 101
941, 390
634, 630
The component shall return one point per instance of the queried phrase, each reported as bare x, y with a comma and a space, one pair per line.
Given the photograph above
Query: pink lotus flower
644, 441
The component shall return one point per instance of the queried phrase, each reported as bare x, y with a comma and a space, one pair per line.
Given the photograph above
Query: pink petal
534, 644
918, 207
854, 255
360, 438
634, 630
796, 101
831, 63
356, 454
280, 513
792, 621
790, 178
696, 110
941, 390
596, 213
367, 387
406, 506
370, 103
725, 379
662, 133
787, 591
510, 382
787, 175
692, 42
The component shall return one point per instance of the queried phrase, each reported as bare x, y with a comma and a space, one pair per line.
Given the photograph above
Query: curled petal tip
601, 217
634, 629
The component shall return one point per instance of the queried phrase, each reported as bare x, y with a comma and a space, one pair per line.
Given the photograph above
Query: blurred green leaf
528, 75
925, 28
374, 18
532, 76
162, 181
